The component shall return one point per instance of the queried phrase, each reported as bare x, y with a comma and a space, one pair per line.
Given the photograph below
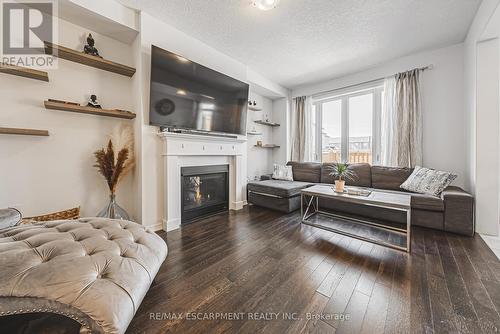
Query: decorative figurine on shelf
259, 142
90, 49
93, 102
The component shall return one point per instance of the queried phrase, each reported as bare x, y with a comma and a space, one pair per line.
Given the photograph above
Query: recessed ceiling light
266, 4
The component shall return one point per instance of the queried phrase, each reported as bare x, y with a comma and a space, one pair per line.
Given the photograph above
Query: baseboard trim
156, 227
237, 205
171, 225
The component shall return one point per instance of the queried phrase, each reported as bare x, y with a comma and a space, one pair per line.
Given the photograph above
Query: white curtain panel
302, 145
402, 121
387, 127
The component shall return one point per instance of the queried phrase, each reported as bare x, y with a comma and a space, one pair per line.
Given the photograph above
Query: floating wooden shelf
266, 123
89, 60
252, 133
254, 108
89, 110
267, 146
24, 72
25, 132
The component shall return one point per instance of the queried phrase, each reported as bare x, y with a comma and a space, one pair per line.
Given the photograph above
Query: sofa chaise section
282, 195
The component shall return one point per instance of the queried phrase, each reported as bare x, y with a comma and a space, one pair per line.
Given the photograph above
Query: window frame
376, 88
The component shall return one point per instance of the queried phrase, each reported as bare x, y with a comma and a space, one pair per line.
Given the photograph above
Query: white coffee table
387, 200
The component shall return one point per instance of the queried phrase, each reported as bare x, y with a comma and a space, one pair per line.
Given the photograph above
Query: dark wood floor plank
310, 315
243, 293
344, 258
370, 270
421, 315
487, 254
303, 284
442, 311
477, 258
489, 319
386, 268
398, 312
356, 309
320, 327
432, 259
376, 312
466, 319
258, 260
342, 294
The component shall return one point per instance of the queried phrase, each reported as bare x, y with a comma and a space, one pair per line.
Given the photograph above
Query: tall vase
113, 210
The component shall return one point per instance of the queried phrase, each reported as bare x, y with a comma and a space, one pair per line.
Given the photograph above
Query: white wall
442, 103
44, 174
482, 114
259, 160
281, 135
476, 30
487, 139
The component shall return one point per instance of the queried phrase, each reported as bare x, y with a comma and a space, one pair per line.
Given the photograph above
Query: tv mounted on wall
187, 95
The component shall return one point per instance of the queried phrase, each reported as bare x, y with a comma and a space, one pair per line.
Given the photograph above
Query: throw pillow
428, 181
282, 172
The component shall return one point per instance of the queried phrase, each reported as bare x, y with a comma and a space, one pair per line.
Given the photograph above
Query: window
347, 125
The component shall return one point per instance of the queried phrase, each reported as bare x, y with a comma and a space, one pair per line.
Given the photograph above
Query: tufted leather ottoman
93, 270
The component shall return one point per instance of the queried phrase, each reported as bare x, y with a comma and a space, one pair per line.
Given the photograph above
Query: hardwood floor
257, 264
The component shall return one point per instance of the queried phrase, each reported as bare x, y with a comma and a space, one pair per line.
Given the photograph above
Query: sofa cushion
306, 171
389, 177
428, 181
426, 202
282, 172
278, 188
363, 173
422, 201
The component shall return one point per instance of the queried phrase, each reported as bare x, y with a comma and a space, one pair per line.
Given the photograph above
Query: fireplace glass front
205, 191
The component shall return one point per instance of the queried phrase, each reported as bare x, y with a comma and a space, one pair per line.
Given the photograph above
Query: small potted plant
342, 172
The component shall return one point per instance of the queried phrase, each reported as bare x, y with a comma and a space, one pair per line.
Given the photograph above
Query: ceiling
302, 42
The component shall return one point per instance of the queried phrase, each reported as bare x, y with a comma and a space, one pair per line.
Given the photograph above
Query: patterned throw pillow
282, 172
428, 181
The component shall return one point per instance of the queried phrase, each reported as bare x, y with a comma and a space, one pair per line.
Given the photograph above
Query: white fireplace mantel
184, 150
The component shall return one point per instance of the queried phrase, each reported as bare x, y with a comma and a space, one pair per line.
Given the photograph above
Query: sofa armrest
458, 211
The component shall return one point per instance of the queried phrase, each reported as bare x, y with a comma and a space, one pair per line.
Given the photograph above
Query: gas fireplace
204, 191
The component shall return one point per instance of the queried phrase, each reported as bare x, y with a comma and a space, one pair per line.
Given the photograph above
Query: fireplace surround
189, 150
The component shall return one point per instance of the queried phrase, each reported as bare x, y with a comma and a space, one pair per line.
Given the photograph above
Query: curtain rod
428, 67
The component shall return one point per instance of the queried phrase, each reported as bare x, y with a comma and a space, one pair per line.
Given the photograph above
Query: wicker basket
73, 213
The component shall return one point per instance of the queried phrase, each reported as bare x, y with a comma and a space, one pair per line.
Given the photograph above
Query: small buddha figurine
93, 102
90, 49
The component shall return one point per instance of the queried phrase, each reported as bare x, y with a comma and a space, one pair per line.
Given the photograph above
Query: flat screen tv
187, 95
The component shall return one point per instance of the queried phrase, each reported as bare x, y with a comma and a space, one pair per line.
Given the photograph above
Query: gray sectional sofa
453, 211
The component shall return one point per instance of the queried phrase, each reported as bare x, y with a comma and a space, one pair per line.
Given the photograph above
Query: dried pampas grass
115, 168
